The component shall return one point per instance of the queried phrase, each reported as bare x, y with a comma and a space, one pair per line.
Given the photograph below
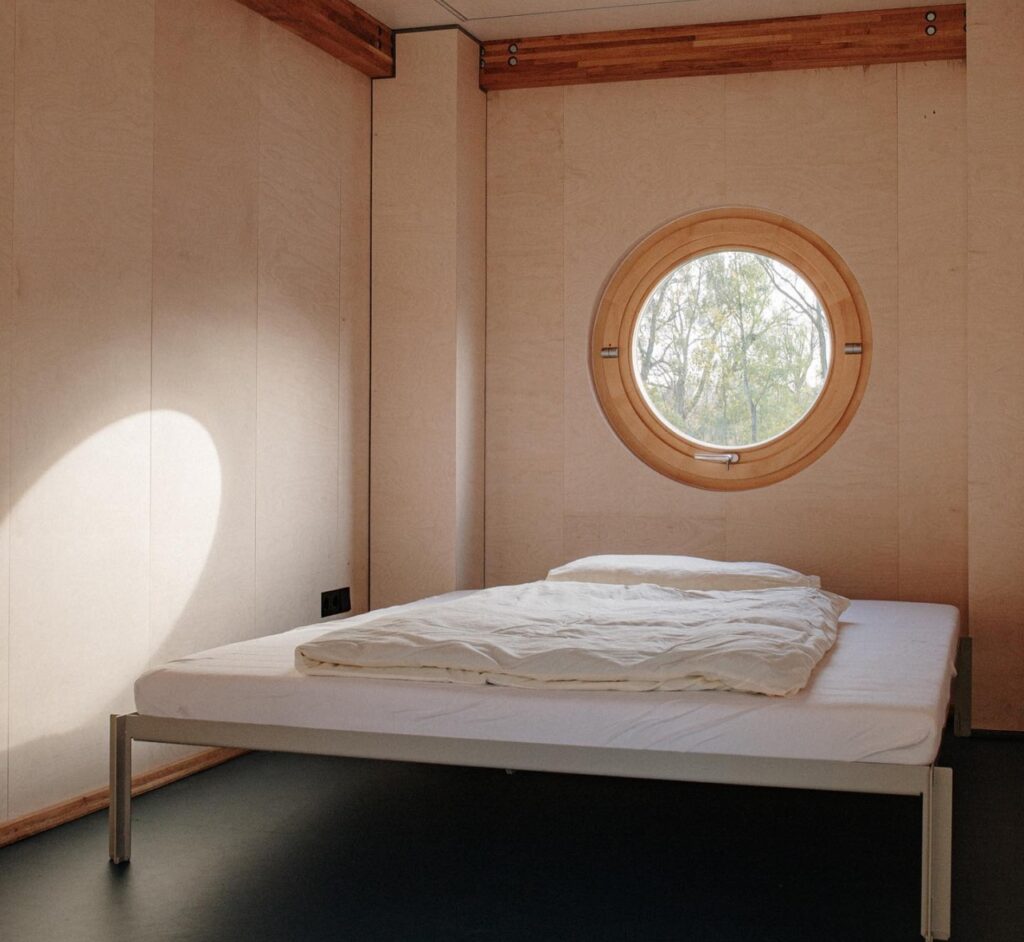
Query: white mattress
880, 695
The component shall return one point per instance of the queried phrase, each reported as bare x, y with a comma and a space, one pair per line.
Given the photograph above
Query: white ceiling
508, 19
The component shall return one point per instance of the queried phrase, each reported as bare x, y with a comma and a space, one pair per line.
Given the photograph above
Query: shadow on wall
89, 559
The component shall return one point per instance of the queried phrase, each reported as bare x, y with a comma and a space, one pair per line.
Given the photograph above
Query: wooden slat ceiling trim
912, 34
338, 27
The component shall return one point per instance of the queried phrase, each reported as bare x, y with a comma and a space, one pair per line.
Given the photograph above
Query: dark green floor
275, 847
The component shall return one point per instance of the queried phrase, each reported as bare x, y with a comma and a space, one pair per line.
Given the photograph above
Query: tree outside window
732, 348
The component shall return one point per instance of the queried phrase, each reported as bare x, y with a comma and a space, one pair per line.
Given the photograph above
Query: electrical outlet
335, 602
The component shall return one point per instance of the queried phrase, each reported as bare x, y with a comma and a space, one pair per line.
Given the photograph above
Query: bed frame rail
933, 785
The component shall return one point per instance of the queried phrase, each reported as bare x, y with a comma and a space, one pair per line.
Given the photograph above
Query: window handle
719, 457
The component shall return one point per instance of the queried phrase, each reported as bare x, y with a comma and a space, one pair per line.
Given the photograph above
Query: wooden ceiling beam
338, 27
911, 34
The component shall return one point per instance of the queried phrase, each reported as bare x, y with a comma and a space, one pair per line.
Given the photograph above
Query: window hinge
610, 353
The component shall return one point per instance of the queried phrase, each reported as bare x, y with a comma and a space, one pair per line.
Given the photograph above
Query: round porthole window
731, 348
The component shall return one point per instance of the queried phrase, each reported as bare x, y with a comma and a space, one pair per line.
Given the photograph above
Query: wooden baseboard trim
35, 822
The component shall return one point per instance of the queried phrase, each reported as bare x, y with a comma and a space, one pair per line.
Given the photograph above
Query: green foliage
732, 348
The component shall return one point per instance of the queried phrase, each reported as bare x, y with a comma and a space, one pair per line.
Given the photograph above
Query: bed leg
941, 849
936, 854
926, 862
962, 691
120, 813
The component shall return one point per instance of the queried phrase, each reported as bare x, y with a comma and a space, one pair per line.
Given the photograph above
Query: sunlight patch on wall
189, 503
80, 563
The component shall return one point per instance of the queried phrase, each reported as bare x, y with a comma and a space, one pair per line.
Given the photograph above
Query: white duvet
593, 637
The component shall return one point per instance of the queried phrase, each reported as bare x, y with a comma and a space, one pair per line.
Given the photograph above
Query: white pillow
680, 572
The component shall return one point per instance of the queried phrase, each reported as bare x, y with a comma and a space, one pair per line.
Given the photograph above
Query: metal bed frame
934, 784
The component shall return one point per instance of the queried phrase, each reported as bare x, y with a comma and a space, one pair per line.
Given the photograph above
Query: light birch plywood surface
425, 509
303, 125
933, 333
133, 345
206, 125
636, 156
820, 147
81, 385
470, 314
353, 158
412, 487
524, 334
995, 327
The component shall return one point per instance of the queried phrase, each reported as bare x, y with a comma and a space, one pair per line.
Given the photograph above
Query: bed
870, 720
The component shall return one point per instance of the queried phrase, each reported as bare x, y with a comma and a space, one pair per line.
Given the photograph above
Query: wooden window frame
644, 433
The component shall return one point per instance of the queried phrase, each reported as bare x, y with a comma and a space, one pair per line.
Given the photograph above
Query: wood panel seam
563, 139
7, 392
899, 339
152, 319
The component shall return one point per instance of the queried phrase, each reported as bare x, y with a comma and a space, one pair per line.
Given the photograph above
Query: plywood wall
183, 367
426, 508
80, 458
470, 314
995, 47
205, 203
932, 336
870, 158
314, 162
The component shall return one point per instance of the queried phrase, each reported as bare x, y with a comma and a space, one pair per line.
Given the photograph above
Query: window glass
732, 348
